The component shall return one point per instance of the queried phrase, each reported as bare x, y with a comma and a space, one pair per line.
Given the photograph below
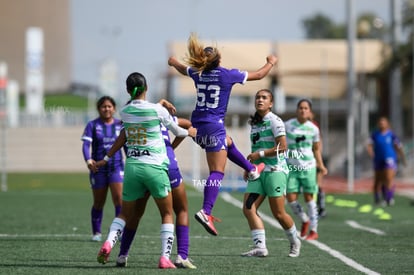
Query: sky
136, 33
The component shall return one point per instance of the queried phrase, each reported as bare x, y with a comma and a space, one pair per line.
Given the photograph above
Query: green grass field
67, 101
45, 229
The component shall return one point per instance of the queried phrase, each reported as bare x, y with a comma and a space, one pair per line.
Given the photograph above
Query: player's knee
180, 211
279, 215
252, 197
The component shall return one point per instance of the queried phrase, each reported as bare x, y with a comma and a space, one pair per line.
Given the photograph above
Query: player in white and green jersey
303, 157
268, 145
146, 169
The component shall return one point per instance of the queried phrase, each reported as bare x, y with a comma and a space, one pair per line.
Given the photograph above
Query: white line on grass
228, 198
230, 238
356, 225
39, 236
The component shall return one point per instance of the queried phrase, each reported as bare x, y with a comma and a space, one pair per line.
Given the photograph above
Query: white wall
58, 149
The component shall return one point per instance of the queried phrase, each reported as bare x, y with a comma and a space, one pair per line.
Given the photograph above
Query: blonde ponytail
199, 57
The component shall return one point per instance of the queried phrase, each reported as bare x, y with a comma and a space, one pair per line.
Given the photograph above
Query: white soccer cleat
122, 261
256, 252
97, 237
181, 263
295, 249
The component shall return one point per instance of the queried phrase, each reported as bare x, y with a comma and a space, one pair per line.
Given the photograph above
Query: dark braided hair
256, 118
136, 84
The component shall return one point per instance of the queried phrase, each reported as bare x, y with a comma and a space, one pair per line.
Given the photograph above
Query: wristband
262, 154
89, 161
106, 158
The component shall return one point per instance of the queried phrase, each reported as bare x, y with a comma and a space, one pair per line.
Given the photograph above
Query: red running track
338, 185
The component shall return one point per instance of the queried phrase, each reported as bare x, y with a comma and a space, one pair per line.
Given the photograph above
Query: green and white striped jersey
142, 122
262, 137
300, 139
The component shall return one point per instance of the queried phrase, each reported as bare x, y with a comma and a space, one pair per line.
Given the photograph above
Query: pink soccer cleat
165, 263
104, 252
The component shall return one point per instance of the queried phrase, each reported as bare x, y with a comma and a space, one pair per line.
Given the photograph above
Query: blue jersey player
384, 148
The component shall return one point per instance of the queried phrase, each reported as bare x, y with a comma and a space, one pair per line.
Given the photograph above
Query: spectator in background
385, 149
304, 156
98, 137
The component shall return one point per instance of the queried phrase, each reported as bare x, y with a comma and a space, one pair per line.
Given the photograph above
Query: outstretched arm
172, 125
271, 61
184, 123
168, 105
180, 67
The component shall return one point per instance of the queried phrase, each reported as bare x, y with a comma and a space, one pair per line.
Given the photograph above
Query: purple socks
183, 240
211, 190
127, 238
96, 220
235, 156
387, 194
117, 210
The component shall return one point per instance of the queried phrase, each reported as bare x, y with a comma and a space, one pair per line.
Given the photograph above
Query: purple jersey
101, 136
213, 92
170, 151
174, 173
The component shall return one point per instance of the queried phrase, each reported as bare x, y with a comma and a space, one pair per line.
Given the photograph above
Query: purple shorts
175, 177
211, 136
101, 180
388, 163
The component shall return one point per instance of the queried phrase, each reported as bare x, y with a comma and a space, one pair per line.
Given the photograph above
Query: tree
371, 26
320, 26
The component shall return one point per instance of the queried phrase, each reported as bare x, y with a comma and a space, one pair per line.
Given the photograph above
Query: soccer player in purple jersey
213, 86
98, 137
180, 204
384, 148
